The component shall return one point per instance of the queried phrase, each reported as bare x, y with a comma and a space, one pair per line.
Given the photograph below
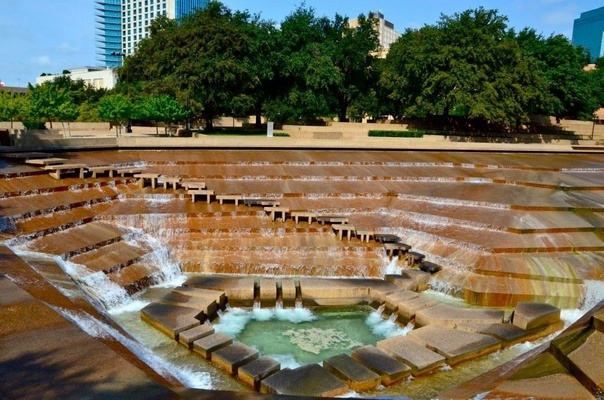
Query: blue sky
39, 36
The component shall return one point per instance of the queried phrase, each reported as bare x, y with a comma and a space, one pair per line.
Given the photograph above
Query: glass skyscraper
123, 23
588, 32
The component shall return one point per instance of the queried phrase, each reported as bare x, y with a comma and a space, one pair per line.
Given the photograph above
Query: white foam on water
385, 327
234, 321
286, 361
98, 329
295, 315
96, 284
392, 268
130, 306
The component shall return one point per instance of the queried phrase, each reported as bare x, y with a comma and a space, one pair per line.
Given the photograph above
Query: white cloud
68, 48
42, 61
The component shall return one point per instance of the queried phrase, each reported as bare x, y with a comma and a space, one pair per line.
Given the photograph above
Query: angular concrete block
332, 291
358, 377
170, 319
449, 316
209, 344
555, 386
507, 333
233, 356
421, 278
534, 315
419, 358
395, 298
207, 305
455, 345
218, 295
255, 371
589, 359
403, 281
189, 336
388, 368
308, 380
409, 308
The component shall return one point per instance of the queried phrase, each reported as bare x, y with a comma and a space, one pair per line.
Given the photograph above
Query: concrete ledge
170, 319
209, 344
190, 335
455, 345
310, 380
533, 315
419, 358
233, 356
358, 377
449, 316
255, 371
388, 368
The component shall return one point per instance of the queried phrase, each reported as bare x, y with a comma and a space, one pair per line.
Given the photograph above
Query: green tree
12, 107
306, 71
564, 87
203, 59
467, 65
117, 109
161, 108
49, 102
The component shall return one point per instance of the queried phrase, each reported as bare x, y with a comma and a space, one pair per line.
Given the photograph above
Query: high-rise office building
123, 23
588, 32
387, 35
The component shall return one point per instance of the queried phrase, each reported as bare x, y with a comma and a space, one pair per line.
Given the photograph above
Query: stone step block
218, 295
409, 308
358, 377
589, 359
190, 335
235, 289
414, 280
533, 315
207, 306
394, 299
419, 358
233, 356
255, 371
508, 334
170, 319
332, 291
309, 380
209, 344
449, 316
453, 344
388, 368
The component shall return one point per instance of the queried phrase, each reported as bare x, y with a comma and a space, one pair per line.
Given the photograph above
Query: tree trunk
343, 109
208, 115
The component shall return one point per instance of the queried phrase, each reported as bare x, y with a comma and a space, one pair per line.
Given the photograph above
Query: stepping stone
309, 380
422, 278
358, 377
206, 306
394, 299
420, 359
449, 316
255, 371
170, 319
533, 315
430, 267
409, 308
209, 344
388, 368
218, 295
509, 334
455, 345
233, 356
589, 359
189, 336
